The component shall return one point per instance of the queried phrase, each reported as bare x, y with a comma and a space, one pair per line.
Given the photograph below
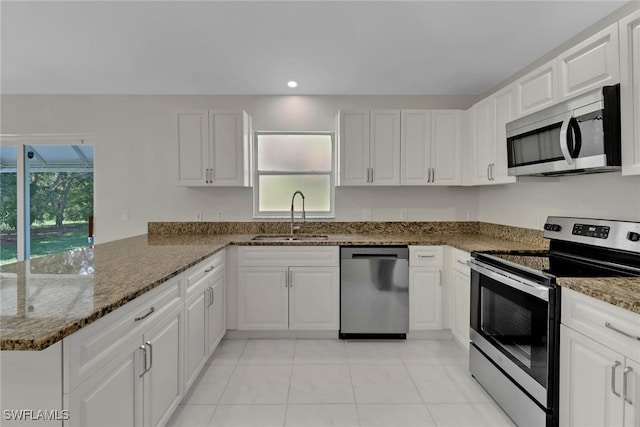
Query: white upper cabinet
505, 112
213, 148
537, 90
369, 147
487, 134
590, 64
430, 147
630, 93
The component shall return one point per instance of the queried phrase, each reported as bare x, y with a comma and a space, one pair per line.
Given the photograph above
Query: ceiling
255, 47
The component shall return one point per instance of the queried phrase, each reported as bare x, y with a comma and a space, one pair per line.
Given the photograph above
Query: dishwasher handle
374, 256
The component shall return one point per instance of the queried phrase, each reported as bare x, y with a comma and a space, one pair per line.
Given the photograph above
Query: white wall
528, 202
135, 155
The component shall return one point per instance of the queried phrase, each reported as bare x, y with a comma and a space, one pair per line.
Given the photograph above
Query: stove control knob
556, 227
634, 237
548, 226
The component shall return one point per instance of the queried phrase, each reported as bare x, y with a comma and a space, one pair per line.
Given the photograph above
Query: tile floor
302, 382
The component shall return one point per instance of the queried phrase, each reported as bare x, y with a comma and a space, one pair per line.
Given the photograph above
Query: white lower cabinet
425, 288
459, 282
204, 314
282, 288
141, 382
599, 369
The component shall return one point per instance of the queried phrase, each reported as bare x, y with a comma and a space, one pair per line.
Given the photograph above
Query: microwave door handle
564, 139
574, 127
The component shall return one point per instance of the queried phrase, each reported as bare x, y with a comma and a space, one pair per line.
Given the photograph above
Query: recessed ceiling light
292, 84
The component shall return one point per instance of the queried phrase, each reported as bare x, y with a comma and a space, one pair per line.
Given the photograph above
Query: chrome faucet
303, 212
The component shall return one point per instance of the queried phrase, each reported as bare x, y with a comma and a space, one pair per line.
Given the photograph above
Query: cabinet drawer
289, 256
459, 261
95, 345
425, 256
202, 272
590, 317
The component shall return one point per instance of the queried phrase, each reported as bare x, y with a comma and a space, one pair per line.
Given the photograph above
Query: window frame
256, 179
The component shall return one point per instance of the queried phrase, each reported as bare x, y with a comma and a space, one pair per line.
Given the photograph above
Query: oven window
516, 323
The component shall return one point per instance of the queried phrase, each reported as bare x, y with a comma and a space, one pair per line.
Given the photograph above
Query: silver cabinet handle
290, 279
488, 173
206, 179
613, 328
428, 174
206, 270
625, 376
213, 297
433, 175
426, 256
208, 291
150, 354
372, 175
461, 262
614, 366
144, 349
137, 319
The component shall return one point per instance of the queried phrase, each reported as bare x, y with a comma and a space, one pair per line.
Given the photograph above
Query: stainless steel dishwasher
374, 292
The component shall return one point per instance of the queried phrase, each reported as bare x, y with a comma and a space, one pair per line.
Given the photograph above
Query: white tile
321, 384
208, 388
191, 416
257, 384
263, 352
468, 415
383, 384
320, 351
228, 352
384, 415
433, 351
248, 416
447, 384
368, 352
321, 416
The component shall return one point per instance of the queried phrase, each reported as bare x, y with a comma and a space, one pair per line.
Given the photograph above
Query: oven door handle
520, 284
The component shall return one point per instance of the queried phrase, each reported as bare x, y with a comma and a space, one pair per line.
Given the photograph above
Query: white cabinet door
193, 148
586, 367
446, 137
314, 298
354, 147
590, 64
195, 346
505, 112
228, 132
163, 384
461, 308
213, 148
485, 135
630, 93
425, 298
537, 90
112, 396
263, 298
216, 313
632, 394
415, 147
384, 154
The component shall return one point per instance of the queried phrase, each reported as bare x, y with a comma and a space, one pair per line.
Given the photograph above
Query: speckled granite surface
45, 299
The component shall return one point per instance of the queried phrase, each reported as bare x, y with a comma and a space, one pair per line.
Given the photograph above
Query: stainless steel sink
289, 238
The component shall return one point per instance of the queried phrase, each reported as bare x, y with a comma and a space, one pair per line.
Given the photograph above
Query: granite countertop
46, 299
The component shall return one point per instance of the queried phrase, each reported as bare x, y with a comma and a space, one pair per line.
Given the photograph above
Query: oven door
511, 321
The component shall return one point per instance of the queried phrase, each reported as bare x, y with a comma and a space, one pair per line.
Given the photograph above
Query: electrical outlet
403, 214
198, 215
220, 215
124, 215
366, 214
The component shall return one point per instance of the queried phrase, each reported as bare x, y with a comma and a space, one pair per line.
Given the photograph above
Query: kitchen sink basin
289, 238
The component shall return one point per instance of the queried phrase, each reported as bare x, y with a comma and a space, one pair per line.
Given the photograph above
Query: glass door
58, 198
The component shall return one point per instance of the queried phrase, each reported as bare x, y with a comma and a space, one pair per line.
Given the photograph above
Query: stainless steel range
515, 310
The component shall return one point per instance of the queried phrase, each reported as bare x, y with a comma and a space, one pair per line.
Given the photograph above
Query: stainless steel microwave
581, 135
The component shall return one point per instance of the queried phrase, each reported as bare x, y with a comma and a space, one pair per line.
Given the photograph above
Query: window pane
8, 205
276, 191
294, 153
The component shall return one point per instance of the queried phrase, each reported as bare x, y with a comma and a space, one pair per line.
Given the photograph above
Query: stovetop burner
579, 247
